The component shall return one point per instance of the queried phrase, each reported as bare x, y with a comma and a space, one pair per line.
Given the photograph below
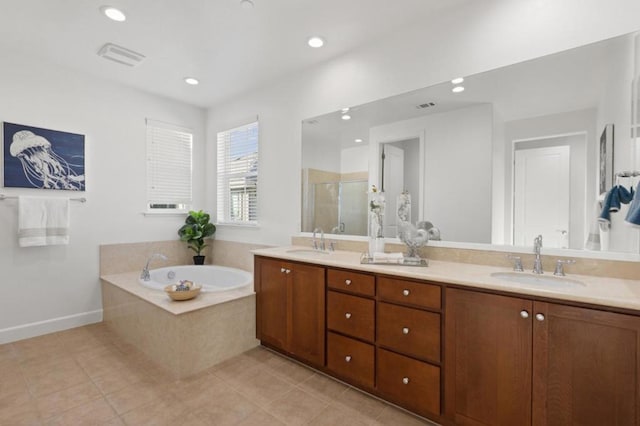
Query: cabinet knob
287, 271
347, 282
405, 330
282, 269
405, 380
540, 317
524, 314
347, 315
347, 358
405, 292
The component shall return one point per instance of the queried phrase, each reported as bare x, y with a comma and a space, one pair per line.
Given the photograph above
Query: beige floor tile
228, 409
261, 386
190, 419
260, 418
162, 411
288, 370
96, 412
119, 379
101, 365
296, 407
58, 377
55, 403
233, 368
7, 352
133, 396
12, 382
392, 416
324, 388
15, 399
335, 416
362, 403
20, 414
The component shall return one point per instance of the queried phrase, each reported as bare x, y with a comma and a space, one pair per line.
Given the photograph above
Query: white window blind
238, 175
169, 151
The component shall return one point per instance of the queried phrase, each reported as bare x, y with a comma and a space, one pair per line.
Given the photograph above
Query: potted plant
195, 229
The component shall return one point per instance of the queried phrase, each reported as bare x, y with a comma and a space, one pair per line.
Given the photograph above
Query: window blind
238, 175
169, 152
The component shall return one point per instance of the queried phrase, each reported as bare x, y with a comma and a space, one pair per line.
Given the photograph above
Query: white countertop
612, 292
128, 281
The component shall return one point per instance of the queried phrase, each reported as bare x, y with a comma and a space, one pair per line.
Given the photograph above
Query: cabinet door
488, 359
307, 313
271, 301
586, 367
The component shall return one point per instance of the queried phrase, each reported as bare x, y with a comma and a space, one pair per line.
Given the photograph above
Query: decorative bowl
174, 294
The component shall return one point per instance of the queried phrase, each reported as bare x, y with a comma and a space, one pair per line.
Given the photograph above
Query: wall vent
120, 54
425, 105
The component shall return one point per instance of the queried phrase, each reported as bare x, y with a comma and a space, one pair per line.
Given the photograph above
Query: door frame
512, 178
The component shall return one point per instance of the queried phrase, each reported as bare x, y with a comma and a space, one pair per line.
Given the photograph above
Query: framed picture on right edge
605, 173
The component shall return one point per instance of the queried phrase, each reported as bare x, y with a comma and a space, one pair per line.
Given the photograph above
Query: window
169, 150
238, 175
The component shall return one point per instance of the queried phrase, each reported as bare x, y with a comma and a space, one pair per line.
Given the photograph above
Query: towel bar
7, 197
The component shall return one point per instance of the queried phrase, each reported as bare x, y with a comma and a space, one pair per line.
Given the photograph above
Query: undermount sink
535, 279
307, 252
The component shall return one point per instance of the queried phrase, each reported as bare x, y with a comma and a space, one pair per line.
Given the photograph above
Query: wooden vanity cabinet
511, 360
290, 308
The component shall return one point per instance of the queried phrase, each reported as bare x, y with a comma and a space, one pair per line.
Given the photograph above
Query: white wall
476, 37
47, 284
354, 159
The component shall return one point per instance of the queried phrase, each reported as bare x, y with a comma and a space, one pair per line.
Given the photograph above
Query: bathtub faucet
145, 271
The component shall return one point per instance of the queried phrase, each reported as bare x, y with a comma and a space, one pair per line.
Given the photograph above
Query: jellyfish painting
40, 165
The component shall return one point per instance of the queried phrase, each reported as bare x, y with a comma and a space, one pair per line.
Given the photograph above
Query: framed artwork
43, 158
606, 159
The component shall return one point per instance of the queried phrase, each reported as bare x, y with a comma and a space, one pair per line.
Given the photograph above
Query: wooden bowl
182, 295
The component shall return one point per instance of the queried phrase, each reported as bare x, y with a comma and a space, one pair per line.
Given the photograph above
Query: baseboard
12, 334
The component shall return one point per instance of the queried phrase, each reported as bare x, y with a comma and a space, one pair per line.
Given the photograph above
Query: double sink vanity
458, 343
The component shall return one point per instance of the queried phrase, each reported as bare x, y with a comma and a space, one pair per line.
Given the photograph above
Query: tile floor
86, 376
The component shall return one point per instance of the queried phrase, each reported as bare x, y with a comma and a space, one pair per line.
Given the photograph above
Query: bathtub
212, 278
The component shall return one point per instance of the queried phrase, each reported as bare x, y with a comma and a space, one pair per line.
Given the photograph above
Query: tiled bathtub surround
182, 337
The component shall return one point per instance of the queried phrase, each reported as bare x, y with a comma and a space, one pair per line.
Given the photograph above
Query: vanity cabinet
290, 307
511, 360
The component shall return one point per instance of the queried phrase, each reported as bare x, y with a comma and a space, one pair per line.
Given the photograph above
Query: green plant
195, 229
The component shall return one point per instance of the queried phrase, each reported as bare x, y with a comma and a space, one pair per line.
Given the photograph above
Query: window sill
238, 225
165, 213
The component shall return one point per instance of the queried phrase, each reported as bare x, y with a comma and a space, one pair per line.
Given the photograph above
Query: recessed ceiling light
246, 4
315, 41
113, 13
346, 117
192, 81
345, 110
458, 89
457, 80
358, 140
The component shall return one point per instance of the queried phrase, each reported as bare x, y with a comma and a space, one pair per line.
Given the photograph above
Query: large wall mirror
523, 150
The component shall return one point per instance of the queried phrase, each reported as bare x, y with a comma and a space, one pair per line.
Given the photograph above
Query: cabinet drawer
409, 292
350, 359
351, 315
352, 282
410, 331
409, 383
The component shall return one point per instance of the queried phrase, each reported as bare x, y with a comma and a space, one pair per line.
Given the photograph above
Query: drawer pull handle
405, 330
524, 314
347, 315
405, 380
347, 358
405, 292
347, 282
540, 317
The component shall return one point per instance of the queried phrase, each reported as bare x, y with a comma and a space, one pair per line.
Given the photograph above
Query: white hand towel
43, 221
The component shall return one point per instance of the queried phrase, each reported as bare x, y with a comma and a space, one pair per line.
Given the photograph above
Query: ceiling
230, 49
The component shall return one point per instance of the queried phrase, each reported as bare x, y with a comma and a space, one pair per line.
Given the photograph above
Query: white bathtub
212, 278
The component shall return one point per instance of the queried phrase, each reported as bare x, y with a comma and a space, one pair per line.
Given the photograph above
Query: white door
541, 196
393, 186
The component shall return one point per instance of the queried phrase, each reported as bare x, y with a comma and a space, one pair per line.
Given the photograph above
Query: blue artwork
43, 158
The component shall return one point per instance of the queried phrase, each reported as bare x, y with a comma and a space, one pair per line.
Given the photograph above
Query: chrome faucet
537, 263
317, 246
144, 275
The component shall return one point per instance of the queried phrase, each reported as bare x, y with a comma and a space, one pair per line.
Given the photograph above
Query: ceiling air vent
312, 121
425, 105
120, 54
